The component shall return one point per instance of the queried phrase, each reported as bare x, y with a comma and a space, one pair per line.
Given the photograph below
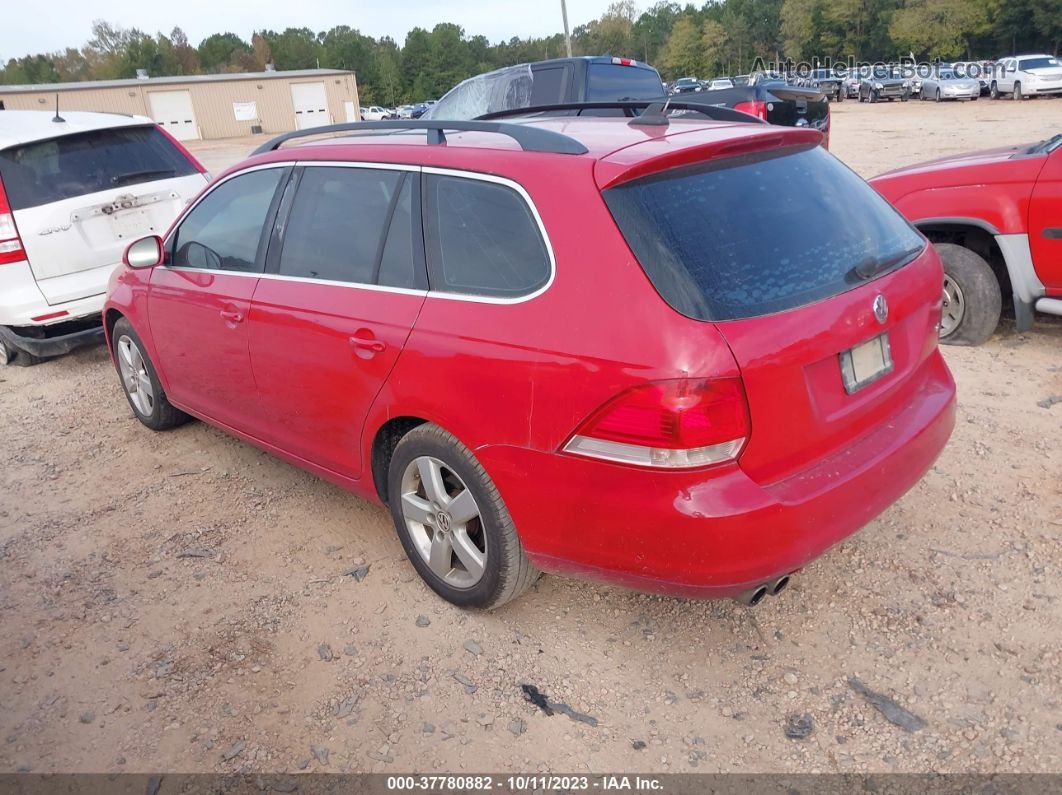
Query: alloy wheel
954, 307
444, 522
135, 376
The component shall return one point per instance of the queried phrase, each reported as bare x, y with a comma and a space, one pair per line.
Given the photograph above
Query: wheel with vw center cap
452, 522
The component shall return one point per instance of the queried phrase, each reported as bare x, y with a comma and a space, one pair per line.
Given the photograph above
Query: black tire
981, 294
874, 97
13, 357
937, 96
507, 571
993, 91
1016, 96
163, 414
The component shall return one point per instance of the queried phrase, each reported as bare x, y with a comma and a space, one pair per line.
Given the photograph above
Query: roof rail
631, 108
531, 139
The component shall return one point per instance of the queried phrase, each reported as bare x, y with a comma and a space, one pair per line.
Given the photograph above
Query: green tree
295, 48
218, 51
682, 52
939, 28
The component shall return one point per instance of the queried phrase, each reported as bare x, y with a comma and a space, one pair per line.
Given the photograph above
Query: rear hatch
786, 252
79, 199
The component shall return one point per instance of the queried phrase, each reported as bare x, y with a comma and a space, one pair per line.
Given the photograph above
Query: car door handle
1053, 233
374, 345
232, 317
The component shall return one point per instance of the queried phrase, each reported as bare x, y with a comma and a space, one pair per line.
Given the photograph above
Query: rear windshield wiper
142, 176
873, 266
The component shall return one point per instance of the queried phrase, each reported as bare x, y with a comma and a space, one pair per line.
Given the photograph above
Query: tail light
11, 249
671, 424
757, 108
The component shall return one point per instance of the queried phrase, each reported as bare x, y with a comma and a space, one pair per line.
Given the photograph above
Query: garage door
173, 110
311, 105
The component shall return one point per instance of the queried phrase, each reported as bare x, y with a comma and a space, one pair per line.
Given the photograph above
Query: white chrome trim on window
516, 186
446, 172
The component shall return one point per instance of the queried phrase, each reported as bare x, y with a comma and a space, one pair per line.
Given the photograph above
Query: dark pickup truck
561, 83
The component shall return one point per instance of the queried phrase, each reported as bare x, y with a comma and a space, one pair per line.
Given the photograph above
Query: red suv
685, 357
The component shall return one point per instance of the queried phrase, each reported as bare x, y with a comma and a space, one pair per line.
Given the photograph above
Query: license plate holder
866, 363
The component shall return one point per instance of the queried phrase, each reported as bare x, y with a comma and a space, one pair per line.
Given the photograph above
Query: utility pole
567, 35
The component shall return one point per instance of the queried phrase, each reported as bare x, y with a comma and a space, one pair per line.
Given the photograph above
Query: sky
68, 22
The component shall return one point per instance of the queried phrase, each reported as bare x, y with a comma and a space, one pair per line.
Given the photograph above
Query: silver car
948, 85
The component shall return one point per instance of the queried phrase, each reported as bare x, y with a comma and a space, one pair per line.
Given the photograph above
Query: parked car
884, 84
375, 113
560, 80
404, 112
718, 83
1026, 76
828, 81
996, 219
686, 85
424, 324
75, 189
948, 85
419, 110
851, 86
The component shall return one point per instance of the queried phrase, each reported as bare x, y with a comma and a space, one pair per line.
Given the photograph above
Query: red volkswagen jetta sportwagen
682, 356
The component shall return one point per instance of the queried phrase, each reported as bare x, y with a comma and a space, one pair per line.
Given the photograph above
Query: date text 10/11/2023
473, 783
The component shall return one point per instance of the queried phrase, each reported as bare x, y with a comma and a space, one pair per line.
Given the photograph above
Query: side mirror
144, 253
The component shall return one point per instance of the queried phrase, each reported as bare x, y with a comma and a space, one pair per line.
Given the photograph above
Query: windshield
1037, 63
759, 234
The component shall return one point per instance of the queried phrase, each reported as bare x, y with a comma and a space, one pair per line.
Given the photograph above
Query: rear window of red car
48, 171
750, 236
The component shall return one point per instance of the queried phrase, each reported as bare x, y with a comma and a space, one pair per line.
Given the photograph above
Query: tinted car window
753, 235
336, 223
76, 165
549, 85
223, 231
397, 266
607, 82
483, 239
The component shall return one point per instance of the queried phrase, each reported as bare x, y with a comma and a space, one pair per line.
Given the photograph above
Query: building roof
152, 81
23, 126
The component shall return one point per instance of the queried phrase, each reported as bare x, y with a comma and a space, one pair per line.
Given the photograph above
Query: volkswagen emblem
881, 308
443, 520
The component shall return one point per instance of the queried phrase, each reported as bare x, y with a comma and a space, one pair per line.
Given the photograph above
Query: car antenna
654, 116
58, 119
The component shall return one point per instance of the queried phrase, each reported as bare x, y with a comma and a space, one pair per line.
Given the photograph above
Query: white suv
1026, 76
75, 190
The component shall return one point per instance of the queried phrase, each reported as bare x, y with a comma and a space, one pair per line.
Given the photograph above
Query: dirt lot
178, 601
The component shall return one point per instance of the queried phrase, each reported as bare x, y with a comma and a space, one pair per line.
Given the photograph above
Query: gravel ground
183, 602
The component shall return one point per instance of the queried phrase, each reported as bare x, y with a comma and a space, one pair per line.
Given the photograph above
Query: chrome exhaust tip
752, 597
779, 585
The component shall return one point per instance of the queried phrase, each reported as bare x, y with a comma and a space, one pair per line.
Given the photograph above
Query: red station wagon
681, 356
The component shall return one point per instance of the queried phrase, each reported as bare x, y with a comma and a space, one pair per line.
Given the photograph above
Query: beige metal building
208, 106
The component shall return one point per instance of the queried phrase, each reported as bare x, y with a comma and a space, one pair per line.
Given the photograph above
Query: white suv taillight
685, 422
10, 243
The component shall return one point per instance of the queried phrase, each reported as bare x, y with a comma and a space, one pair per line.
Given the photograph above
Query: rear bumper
86, 331
714, 534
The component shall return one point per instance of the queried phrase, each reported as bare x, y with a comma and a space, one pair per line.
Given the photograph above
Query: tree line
717, 38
